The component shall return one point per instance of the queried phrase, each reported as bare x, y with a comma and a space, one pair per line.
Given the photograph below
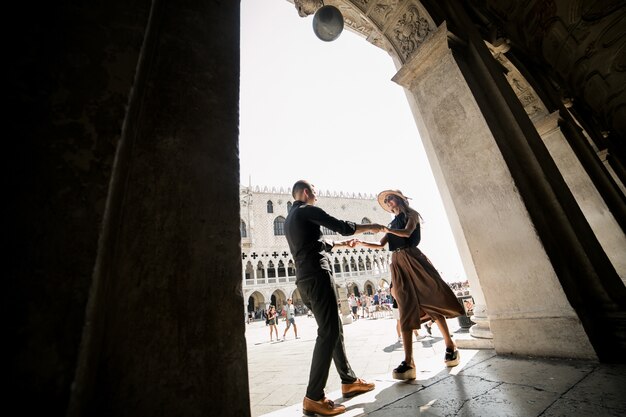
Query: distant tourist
272, 318
290, 314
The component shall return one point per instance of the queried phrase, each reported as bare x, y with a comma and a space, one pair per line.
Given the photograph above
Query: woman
272, 316
420, 292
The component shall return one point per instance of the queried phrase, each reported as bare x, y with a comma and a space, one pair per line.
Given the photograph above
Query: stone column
600, 218
155, 340
496, 238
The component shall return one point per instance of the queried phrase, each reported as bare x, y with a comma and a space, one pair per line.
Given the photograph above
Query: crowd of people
378, 305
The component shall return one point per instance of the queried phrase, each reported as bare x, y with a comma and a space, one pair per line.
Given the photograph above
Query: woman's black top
397, 242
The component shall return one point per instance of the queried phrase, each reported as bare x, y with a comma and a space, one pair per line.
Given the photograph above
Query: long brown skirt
419, 290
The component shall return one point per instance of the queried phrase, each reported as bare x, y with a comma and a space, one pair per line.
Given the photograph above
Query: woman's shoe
404, 372
452, 357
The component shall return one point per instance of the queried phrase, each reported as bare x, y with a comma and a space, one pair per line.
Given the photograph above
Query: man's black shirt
306, 242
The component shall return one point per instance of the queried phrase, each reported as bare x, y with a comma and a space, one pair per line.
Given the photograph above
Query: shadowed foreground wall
125, 277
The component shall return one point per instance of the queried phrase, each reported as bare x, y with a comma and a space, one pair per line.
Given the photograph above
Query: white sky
328, 112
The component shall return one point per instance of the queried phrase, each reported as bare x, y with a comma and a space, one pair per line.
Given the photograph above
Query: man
316, 285
290, 313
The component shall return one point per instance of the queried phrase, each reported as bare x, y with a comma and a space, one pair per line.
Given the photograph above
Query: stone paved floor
484, 384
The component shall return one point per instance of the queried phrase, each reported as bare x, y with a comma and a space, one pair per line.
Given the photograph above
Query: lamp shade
328, 23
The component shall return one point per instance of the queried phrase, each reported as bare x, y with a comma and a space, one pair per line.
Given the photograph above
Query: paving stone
566, 407
605, 386
445, 398
552, 375
509, 400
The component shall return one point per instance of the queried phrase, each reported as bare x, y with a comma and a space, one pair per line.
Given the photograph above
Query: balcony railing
339, 277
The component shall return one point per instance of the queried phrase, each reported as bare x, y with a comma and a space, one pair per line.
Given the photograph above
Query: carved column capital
427, 56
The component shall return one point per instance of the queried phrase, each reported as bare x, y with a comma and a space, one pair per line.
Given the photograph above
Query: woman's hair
406, 208
402, 202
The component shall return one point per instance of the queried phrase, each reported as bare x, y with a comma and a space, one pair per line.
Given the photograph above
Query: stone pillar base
480, 336
481, 329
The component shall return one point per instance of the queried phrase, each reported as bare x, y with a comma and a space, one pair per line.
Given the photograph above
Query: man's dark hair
300, 186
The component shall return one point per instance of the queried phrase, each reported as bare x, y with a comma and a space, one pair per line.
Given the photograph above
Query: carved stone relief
398, 27
361, 4
524, 92
382, 10
410, 31
307, 7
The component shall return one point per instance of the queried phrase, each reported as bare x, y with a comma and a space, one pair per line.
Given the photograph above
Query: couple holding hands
420, 292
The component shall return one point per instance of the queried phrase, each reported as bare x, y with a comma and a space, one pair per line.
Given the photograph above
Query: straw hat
383, 194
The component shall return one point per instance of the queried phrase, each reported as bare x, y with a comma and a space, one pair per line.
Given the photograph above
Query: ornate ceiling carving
396, 26
581, 44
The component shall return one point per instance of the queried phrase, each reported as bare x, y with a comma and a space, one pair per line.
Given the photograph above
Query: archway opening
345, 87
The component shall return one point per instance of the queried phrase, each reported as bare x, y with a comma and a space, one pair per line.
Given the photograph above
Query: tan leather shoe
357, 387
323, 407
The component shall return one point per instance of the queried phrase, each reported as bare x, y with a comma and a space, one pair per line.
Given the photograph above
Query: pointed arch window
279, 226
270, 206
249, 270
337, 266
344, 262
288, 206
243, 229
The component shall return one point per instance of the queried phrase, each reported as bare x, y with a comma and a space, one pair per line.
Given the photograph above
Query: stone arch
369, 287
256, 301
353, 288
278, 299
